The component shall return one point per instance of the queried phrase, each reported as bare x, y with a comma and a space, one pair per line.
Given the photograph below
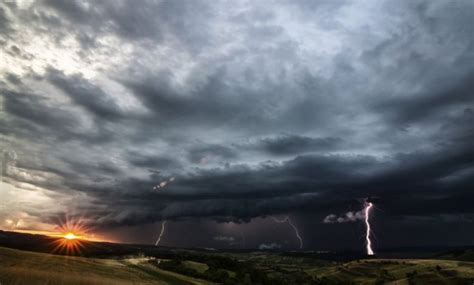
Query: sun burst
72, 237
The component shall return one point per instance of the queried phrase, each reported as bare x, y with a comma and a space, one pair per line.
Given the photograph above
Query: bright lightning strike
368, 206
287, 219
161, 185
163, 225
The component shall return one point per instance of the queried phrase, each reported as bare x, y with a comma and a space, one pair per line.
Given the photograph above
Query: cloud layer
254, 110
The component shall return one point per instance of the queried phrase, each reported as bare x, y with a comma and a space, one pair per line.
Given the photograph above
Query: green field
393, 271
23, 267
199, 267
298, 270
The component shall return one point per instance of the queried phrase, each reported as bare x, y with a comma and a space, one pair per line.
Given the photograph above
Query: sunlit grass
23, 267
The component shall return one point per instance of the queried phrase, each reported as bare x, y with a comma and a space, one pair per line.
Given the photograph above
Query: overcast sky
246, 110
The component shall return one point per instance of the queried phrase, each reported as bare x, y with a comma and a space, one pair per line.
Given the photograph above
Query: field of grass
23, 267
199, 267
393, 271
465, 255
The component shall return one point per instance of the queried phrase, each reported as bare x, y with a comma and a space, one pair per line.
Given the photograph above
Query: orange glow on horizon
70, 235
69, 245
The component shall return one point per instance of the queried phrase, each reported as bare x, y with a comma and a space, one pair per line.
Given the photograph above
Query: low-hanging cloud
348, 217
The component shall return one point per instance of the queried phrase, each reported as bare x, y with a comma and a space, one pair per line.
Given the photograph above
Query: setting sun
69, 243
70, 236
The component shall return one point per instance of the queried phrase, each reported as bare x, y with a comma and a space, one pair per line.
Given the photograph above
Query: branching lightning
163, 225
368, 206
161, 185
297, 233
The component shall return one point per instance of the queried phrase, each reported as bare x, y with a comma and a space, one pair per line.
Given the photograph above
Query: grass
393, 271
22, 267
199, 267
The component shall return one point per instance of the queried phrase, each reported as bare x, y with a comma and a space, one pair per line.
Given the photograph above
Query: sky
219, 116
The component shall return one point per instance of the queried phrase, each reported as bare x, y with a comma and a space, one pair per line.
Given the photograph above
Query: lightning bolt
297, 233
163, 225
368, 206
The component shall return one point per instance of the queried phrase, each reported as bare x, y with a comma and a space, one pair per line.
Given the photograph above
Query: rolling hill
27, 259
23, 267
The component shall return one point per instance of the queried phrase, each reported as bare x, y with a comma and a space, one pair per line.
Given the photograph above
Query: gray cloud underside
255, 109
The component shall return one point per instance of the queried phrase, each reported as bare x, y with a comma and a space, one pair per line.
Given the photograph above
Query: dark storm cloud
4, 22
432, 104
204, 153
150, 20
13, 79
294, 144
35, 109
254, 110
152, 162
87, 95
305, 183
32, 113
212, 104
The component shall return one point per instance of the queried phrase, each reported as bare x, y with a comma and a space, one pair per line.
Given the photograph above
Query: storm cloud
287, 107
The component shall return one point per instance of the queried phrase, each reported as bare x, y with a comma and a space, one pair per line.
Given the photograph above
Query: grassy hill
460, 254
26, 259
401, 271
304, 270
22, 267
